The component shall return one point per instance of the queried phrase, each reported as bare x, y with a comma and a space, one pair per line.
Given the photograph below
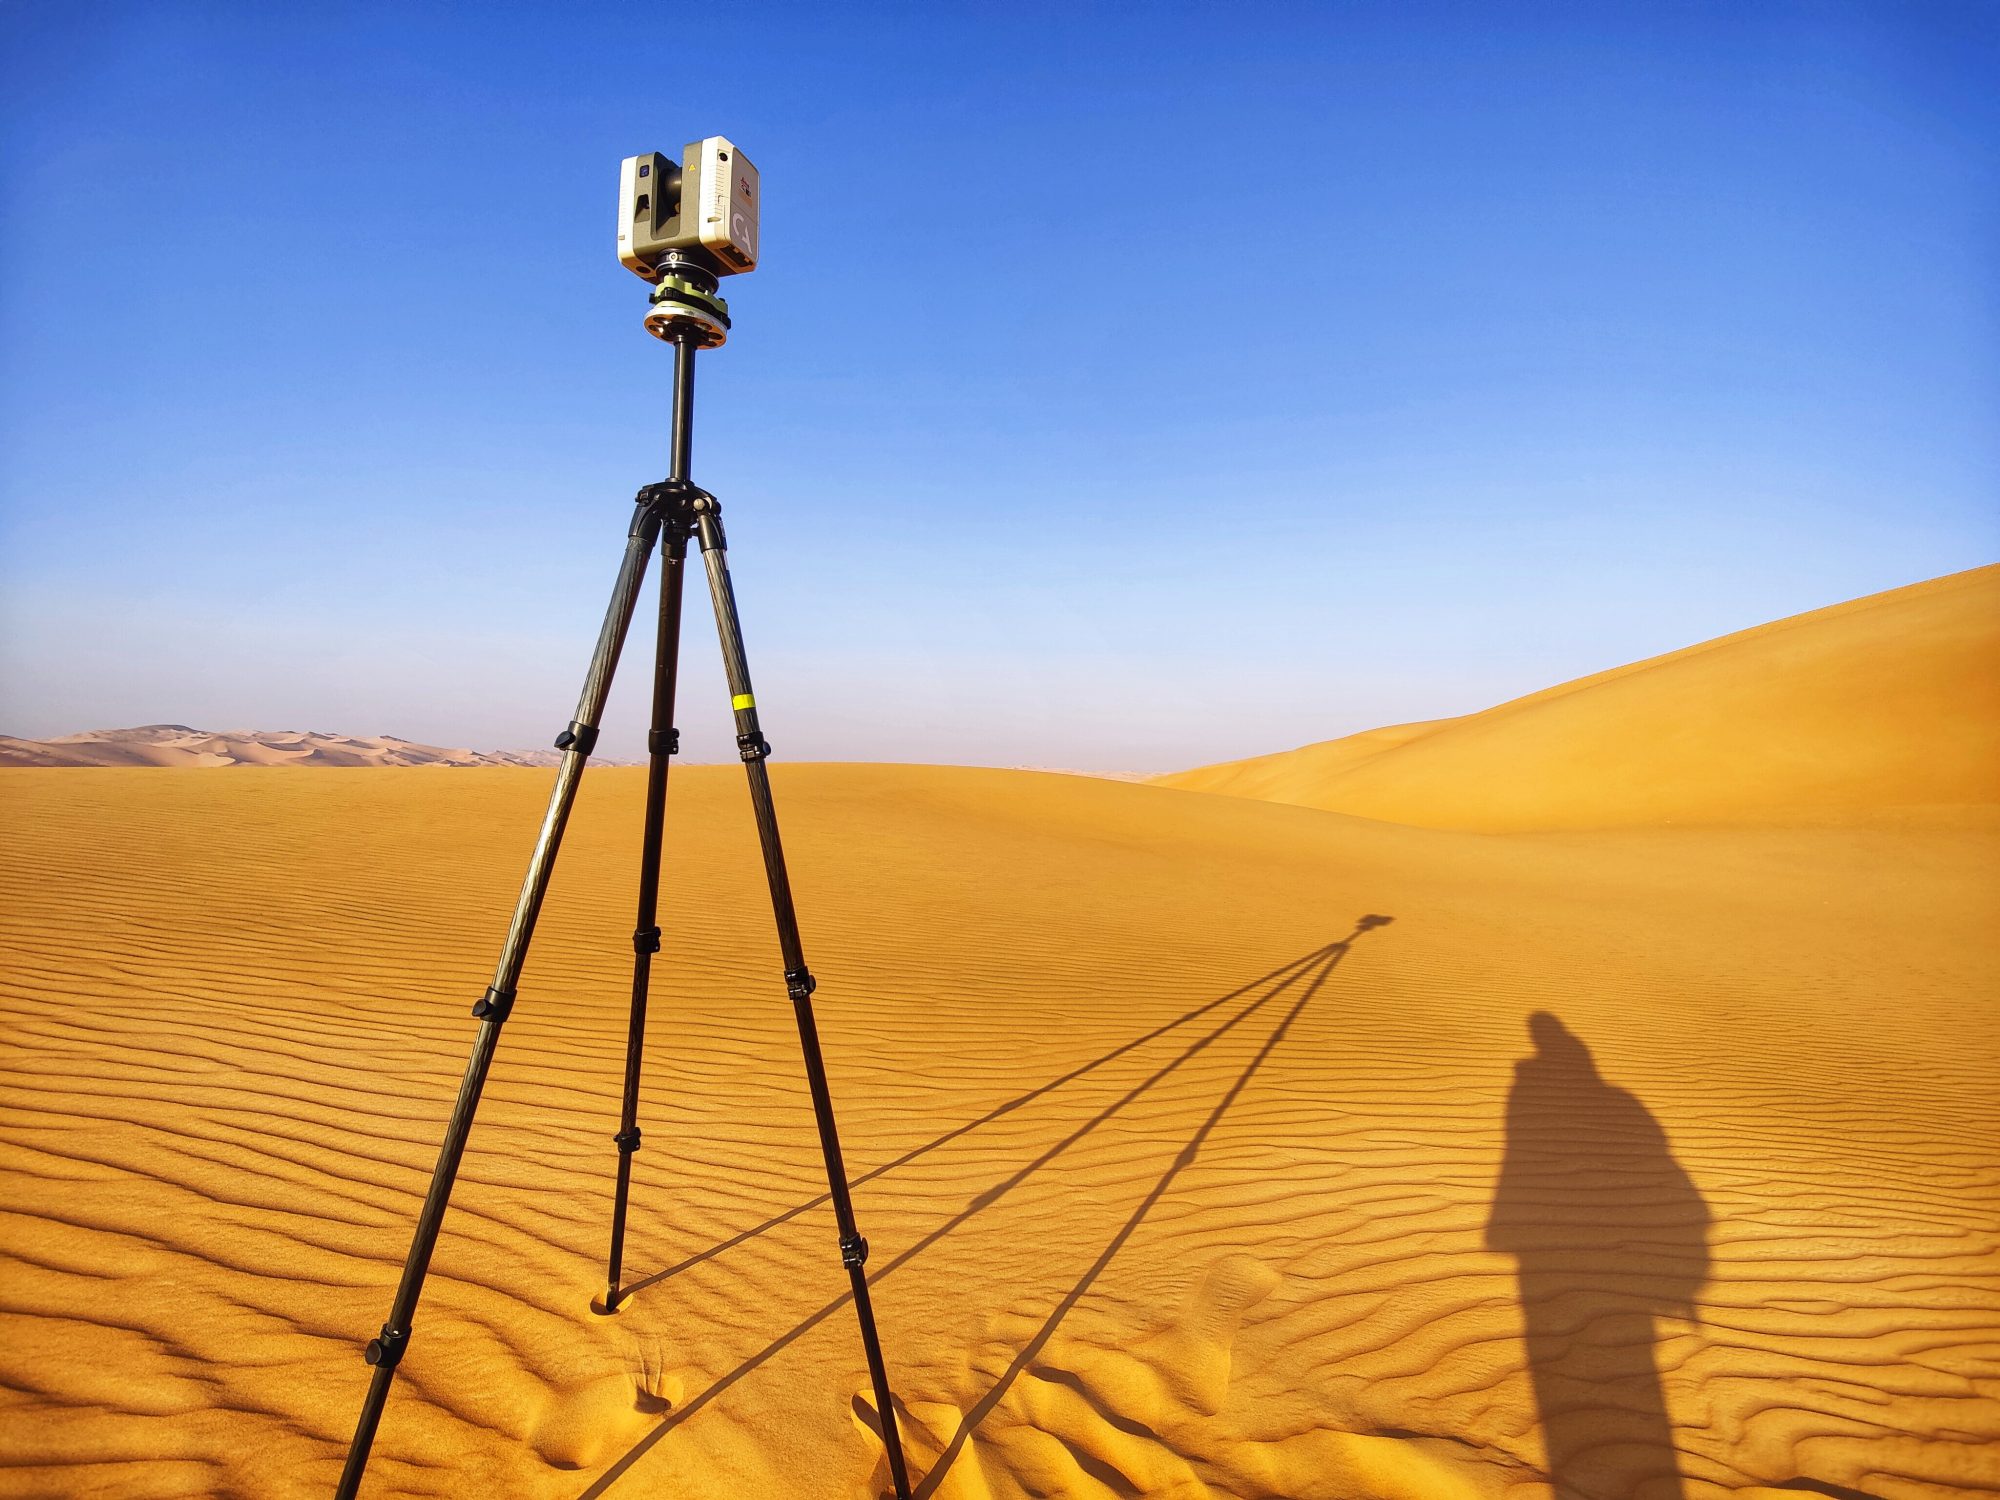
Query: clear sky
1125, 387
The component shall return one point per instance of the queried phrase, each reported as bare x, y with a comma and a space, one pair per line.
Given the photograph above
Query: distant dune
179, 745
1882, 705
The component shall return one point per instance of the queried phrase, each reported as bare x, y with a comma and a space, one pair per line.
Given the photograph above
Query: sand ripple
1180, 1182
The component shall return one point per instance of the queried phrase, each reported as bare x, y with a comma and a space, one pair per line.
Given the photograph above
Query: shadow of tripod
1320, 968
999, 1111
1312, 968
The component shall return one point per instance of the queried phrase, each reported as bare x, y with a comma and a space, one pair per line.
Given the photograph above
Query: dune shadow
1313, 968
1609, 1236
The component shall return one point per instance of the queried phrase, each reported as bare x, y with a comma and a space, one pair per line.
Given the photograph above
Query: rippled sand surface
1657, 1163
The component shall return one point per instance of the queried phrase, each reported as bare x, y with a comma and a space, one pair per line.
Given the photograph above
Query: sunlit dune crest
1884, 703
1207, 1145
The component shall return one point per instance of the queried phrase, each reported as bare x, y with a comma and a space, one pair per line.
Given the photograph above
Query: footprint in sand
589, 1420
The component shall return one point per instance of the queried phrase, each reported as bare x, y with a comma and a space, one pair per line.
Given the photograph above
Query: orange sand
1142, 1225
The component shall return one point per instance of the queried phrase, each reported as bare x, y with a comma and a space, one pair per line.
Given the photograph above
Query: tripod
688, 315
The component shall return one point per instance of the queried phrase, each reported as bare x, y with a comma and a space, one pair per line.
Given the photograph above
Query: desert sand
1209, 1145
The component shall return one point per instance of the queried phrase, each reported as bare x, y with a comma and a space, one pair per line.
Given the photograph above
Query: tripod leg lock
582, 738
646, 940
663, 742
627, 1140
752, 746
387, 1347
853, 1252
494, 1005
799, 983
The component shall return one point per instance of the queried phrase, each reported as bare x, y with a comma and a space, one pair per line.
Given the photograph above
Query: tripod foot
891, 1480
610, 1304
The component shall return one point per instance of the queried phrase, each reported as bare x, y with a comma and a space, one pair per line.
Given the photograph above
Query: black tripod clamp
386, 1348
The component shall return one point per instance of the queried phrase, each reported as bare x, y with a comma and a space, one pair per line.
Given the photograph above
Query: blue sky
1124, 387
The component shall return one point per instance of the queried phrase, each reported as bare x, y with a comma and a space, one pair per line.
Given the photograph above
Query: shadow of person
1609, 1236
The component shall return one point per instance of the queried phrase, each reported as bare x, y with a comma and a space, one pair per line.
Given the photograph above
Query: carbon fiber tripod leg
386, 1349
671, 501
662, 742
798, 979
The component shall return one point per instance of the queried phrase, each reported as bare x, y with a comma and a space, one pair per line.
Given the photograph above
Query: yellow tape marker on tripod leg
742, 701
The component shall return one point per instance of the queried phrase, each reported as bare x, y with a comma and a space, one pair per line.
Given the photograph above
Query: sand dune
178, 745
1183, 1179
1882, 705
